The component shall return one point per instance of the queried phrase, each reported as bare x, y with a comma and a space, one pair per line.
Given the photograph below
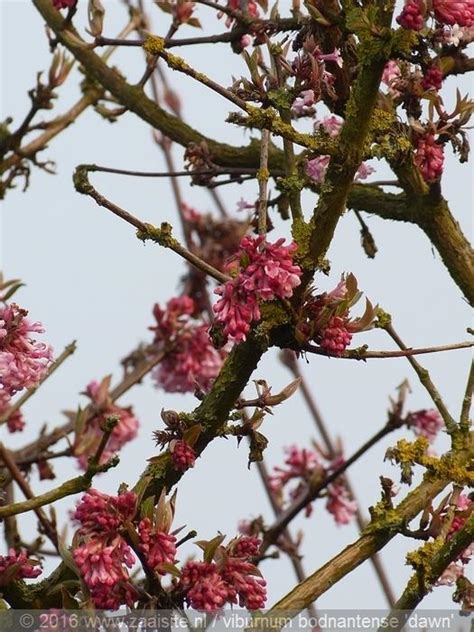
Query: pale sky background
88, 278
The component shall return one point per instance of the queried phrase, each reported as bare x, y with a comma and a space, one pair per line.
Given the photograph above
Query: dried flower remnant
89, 435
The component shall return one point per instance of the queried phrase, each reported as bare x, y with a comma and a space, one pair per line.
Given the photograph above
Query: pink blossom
158, 547
246, 546
23, 361
182, 455
270, 272
236, 310
191, 361
303, 102
340, 504
429, 157
101, 560
250, 7
412, 16
364, 171
124, 431
331, 124
245, 40
205, 589
300, 464
455, 35
452, 12
24, 567
450, 575
103, 565
317, 167
100, 513
433, 78
336, 337
244, 588
102, 555
391, 72
426, 423
232, 579
264, 271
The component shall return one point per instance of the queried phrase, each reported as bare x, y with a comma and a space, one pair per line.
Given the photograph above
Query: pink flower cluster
23, 360
103, 557
263, 271
460, 12
429, 157
191, 361
412, 16
449, 12
433, 78
230, 578
182, 455
17, 565
302, 466
326, 317
158, 547
426, 423
455, 570
87, 440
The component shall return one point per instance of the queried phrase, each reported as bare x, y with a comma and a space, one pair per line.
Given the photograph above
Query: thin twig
424, 376
68, 351
73, 486
289, 359
146, 231
313, 491
31, 450
467, 401
405, 352
31, 502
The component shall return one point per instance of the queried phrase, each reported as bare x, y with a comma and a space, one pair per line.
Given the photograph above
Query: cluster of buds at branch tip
326, 319
265, 399
180, 436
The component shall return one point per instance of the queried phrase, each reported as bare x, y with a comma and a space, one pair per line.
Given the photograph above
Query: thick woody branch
343, 166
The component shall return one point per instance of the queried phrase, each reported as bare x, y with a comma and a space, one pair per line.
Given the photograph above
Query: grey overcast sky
89, 279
